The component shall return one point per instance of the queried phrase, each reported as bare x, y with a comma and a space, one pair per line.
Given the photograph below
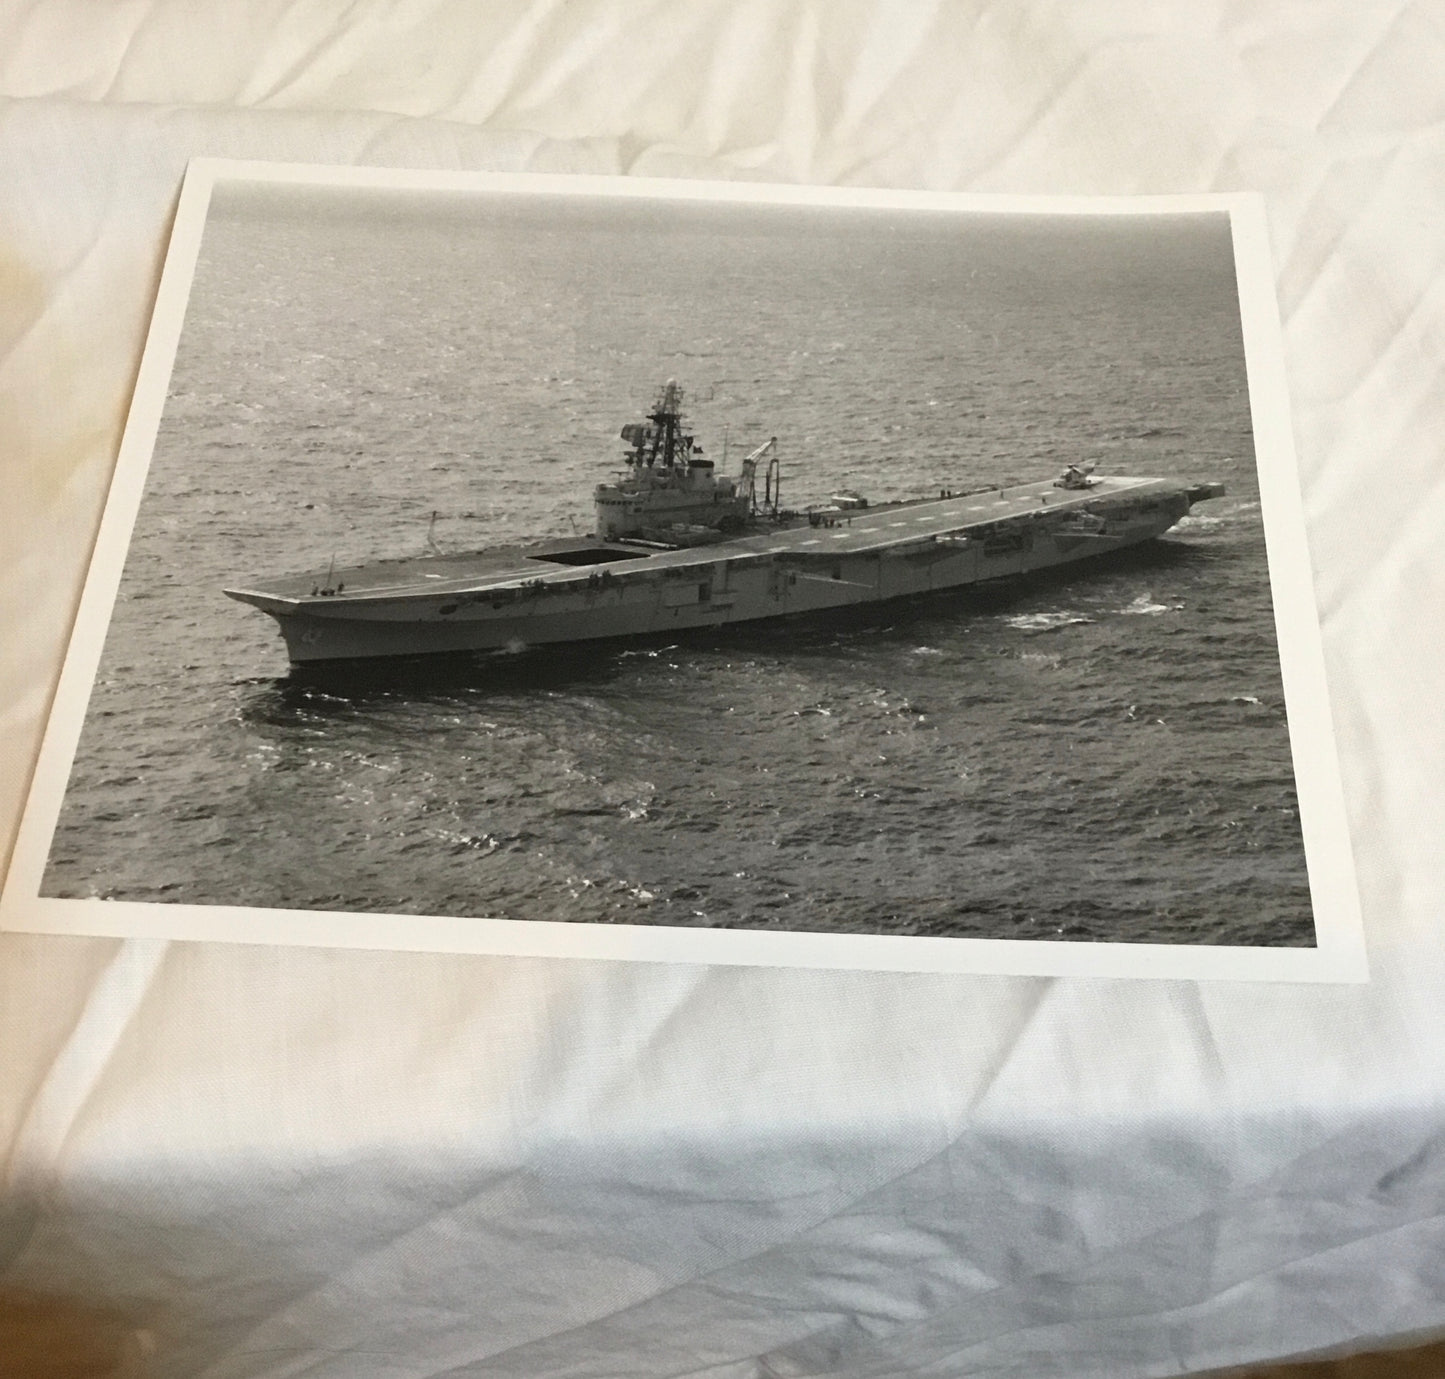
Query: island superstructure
678, 547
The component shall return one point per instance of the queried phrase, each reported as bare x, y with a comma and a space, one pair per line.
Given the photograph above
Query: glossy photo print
702, 572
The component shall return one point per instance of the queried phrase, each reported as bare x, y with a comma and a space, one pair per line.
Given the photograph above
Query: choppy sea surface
1099, 754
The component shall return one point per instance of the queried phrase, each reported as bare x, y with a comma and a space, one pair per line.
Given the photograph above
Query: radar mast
660, 442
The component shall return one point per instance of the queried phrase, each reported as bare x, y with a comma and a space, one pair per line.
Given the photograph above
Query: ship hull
900, 552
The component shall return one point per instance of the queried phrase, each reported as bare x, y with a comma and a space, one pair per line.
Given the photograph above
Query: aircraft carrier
678, 547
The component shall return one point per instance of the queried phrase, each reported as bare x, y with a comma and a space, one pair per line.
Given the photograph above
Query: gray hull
512, 600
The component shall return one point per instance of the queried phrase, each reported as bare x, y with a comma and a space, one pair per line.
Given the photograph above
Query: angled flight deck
678, 547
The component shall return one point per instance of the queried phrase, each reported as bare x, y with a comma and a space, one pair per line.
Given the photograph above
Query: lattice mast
660, 442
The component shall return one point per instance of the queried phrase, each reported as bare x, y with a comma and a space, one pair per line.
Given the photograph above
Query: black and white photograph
589, 567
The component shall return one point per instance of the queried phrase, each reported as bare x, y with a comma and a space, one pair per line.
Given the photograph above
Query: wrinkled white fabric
334, 1164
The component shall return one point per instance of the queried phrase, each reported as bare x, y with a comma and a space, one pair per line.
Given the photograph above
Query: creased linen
364, 1164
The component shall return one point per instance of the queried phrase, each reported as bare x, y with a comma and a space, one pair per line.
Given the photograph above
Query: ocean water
1100, 754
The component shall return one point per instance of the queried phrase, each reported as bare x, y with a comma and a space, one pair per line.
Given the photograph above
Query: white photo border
1339, 954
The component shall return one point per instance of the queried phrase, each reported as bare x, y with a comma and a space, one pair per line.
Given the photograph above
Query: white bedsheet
342, 1164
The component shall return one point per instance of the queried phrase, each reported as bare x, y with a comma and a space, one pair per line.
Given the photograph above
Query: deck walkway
888, 525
